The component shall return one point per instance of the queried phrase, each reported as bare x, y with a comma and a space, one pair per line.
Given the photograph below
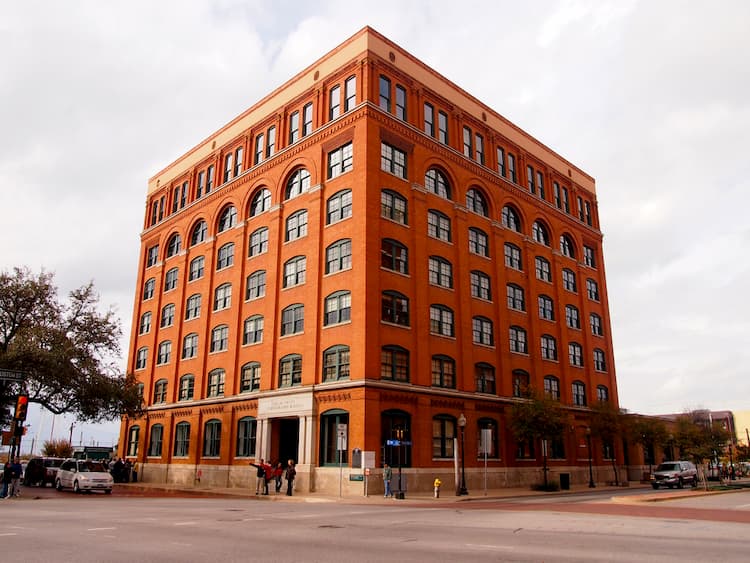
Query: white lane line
100, 529
488, 546
8, 534
742, 505
185, 523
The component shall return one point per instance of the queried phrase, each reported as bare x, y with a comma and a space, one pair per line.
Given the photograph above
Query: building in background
355, 262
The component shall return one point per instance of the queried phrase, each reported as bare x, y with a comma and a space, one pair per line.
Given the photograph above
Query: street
69, 527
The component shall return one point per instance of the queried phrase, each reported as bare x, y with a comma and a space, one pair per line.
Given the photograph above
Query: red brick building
368, 246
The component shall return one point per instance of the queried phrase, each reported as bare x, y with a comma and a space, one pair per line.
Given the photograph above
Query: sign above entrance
298, 404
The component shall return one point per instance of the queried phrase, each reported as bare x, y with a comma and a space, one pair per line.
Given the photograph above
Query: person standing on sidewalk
278, 474
7, 472
387, 476
15, 478
260, 476
291, 473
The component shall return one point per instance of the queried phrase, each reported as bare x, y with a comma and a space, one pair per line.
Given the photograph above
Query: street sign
392, 443
11, 375
406, 442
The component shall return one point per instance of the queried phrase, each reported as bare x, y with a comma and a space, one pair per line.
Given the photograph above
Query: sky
651, 98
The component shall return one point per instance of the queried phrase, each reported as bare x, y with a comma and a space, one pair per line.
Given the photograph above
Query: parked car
41, 470
675, 473
83, 475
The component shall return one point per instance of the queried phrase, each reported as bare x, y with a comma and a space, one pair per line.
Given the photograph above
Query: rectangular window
429, 120
512, 168
340, 160
530, 179
393, 160
588, 213
260, 146
556, 195
307, 119
385, 94
228, 167
294, 127
579, 200
401, 102
540, 184
479, 148
209, 178
468, 147
566, 200
350, 93
588, 257
443, 127
238, 155
201, 184
501, 162
334, 102
152, 255
271, 146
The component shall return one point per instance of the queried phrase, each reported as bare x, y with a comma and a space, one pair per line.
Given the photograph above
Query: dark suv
41, 470
675, 473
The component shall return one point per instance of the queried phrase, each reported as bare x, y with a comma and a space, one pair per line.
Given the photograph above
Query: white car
83, 475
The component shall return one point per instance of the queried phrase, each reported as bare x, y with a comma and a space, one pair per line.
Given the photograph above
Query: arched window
181, 439
144, 326
516, 299
482, 331
338, 308
395, 308
294, 271
552, 387
572, 318
339, 256
298, 183
219, 338
174, 245
602, 393
339, 206
227, 219
199, 233
155, 440
476, 202
479, 242
215, 386
443, 434
258, 242
223, 297
293, 319
549, 347
394, 256
480, 285
247, 428
540, 233
484, 375
441, 320
542, 268
141, 357
148, 289
510, 219
600, 364
440, 271
290, 370
394, 363
336, 363
393, 206
575, 354
546, 308
438, 225
296, 225
261, 202
569, 280
252, 332
255, 285
329, 425
160, 391
518, 342
567, 248
520, 383
170, 280
187, 387
436, 182
579, 393
250, 377
197, 268
212, 438
443, 371
225, 256
133, 435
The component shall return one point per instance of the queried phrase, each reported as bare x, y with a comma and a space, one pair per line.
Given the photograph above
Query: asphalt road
81, 528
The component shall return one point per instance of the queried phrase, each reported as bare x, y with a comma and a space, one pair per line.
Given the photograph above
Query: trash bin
564, 481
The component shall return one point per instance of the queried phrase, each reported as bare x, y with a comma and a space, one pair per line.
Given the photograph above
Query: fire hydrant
436, 485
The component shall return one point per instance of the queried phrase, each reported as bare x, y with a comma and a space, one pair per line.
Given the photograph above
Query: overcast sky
651, 98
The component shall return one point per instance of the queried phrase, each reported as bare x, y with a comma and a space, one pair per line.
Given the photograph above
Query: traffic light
22, 406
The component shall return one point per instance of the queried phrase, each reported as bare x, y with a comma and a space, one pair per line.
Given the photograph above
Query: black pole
591, 469
731, 464
462, 490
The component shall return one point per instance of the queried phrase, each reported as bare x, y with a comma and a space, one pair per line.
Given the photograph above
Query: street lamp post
731, 464
462, 426
591, 469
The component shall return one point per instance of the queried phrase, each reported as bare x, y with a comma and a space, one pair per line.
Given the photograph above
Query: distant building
355, 261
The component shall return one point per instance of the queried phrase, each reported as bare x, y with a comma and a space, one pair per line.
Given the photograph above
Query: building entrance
285, 445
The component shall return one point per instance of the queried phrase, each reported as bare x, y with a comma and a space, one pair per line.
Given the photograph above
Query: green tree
57, 448
649, 432
699, 439
538, 416
67, 349
608, 423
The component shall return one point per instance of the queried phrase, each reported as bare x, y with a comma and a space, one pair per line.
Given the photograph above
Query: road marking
9, 534
743, 505
185, 523
488, 546
100, 529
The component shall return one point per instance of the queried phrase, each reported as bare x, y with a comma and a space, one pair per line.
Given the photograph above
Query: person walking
387, 476
291, 473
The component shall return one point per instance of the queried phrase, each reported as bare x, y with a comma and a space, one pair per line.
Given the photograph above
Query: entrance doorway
287, 440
